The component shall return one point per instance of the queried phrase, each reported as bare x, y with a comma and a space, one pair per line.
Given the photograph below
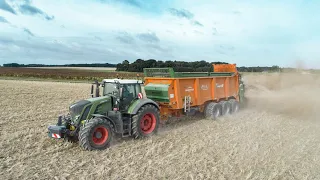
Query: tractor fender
117, 127
135, 106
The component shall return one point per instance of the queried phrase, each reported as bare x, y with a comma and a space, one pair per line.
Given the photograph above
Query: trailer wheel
234, 106
146, 122
226, 107
212, 110
96, 134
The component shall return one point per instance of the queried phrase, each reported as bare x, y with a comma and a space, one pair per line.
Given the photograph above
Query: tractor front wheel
96, 134
146, 122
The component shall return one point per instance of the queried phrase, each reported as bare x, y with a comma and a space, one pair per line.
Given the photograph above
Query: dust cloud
293, 94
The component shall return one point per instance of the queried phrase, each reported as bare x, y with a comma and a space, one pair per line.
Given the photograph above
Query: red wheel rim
148, 123
100, 135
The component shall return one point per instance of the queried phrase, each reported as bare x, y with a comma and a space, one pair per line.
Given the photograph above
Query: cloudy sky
260, 32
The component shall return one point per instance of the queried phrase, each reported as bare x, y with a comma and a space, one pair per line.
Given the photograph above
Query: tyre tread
135, 120
234, 103
209, 111
84, 133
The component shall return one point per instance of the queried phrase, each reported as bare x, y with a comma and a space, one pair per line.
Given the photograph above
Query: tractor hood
98, 98
77, 107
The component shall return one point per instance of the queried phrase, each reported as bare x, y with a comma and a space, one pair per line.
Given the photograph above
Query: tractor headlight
76, 118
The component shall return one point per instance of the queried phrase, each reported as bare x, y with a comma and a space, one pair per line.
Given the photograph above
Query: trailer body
183, 92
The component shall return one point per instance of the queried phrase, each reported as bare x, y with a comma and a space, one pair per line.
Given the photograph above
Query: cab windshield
110, 88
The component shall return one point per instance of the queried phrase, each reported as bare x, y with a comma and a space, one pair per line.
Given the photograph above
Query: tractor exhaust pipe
97, 89
97, 93
92, 90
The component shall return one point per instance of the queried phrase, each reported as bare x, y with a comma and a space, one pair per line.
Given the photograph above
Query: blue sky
249, 33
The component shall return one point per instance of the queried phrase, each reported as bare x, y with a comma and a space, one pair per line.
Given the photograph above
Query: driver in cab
126, 93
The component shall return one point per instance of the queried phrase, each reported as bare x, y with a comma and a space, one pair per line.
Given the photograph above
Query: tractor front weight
63, 128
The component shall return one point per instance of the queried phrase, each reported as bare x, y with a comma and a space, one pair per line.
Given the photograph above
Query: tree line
182, 66
139, 64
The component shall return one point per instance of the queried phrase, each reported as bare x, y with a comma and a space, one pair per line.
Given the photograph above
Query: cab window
129, 91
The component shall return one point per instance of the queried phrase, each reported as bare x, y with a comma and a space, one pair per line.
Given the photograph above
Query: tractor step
126, 135
126, 130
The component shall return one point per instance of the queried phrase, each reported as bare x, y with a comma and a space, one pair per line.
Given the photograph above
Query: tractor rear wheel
212, 110
96, 134
146, 122
234, 106
226, 107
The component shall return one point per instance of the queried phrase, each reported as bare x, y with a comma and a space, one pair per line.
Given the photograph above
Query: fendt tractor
122, 109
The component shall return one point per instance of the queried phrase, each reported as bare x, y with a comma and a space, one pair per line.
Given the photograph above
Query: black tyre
226, 107
96, 134
212, 110
146, 122
235, 106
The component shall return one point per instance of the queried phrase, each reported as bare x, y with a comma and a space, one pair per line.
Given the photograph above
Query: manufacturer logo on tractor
204, 87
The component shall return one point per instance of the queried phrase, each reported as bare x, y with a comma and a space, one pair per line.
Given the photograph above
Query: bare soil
276, 137
81, 68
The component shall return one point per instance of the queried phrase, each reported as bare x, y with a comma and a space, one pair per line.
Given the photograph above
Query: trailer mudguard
241, 92
136, 105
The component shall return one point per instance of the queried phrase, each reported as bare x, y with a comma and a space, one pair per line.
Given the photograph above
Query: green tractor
120, 110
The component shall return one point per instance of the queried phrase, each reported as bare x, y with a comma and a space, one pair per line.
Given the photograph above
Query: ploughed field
64, 73
276, 137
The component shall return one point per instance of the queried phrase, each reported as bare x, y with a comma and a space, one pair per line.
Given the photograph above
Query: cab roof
123, 81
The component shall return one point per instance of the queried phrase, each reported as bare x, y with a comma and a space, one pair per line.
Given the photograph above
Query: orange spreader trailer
213, 93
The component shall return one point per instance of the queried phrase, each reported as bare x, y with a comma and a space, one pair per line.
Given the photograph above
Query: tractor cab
122, 91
